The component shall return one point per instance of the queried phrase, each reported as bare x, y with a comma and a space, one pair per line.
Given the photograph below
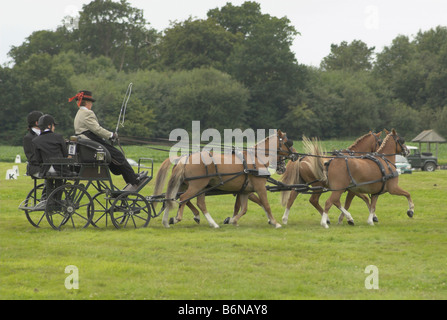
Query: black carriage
86, 195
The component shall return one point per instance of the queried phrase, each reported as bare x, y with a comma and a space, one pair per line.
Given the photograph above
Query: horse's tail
176, 180
290, 177
316, 154
161, 178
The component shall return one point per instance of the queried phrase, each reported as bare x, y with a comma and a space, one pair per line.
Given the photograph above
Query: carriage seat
88, 151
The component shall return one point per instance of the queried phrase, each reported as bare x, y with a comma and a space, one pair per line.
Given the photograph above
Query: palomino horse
241, 173
370, 174
300, 172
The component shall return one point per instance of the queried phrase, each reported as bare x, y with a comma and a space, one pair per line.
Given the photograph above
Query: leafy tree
355, 56
13, 118
263, 62
44, 41
416, 71
117, 31
208, 95
237, 20
195, 44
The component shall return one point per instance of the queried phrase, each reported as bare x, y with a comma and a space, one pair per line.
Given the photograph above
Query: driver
86, 125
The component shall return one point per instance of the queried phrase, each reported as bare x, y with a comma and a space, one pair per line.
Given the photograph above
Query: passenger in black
49, 145
33, 167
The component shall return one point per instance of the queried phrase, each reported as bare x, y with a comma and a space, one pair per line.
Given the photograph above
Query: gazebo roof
429, 136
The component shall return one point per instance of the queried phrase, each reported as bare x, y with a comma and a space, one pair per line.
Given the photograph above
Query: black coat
49, 146
33, 166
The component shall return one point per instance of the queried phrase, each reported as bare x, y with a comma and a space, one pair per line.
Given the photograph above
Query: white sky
320, 22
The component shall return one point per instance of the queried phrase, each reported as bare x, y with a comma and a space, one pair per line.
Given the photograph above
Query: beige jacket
86, 120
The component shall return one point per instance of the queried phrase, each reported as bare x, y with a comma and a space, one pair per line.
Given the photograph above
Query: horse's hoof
197, 220
166, 225
227, 221
278, 226
375, 219
351, 223
328, 222
171, 221
410, 213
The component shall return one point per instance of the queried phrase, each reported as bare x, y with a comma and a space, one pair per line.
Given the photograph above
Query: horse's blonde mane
382, 146
356, 142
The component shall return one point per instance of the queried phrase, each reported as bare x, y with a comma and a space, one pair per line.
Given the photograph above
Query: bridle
291, 153
401, 142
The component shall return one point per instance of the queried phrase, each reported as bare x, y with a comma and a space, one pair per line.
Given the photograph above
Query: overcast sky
320, 22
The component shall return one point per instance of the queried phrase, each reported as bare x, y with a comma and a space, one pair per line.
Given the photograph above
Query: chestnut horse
371, 174
300, 172
202, 172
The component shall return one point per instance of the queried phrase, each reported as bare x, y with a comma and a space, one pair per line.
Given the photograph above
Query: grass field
252, 261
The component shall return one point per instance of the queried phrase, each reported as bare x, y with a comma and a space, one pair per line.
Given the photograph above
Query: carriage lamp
100, 156
72, 149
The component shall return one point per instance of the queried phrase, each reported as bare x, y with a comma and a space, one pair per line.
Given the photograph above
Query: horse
239, 173
300, 172
372, 174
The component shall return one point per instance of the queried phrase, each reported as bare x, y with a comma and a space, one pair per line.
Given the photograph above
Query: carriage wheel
34, 197
69, 206
130, 210
100, 213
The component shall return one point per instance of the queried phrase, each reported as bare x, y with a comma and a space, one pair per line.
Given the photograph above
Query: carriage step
39, 207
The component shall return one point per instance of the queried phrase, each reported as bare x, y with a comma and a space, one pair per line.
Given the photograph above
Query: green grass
252, 261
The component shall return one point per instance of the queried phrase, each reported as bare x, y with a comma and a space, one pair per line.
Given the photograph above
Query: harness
246, 171
372, 157
262, 172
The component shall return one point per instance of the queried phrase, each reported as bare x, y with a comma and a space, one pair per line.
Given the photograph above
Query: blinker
288, 143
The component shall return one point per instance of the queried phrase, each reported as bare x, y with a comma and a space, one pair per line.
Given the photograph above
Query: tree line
234, 69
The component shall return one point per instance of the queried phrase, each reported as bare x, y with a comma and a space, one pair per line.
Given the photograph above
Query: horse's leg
202, 206
372, 210
237, 205
165, 220
194, 211
179, 216
243, 201
348, 202
193, 189
262, 193
292, 197
334, 199
398, 191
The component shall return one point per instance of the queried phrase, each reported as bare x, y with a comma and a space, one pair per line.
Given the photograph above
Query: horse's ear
386, 131
378, 134
394, 132
280, 132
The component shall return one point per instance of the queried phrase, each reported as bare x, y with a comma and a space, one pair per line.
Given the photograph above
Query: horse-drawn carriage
72, 205
86, 194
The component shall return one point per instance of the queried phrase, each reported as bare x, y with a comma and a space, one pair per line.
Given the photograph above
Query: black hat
45, 121
33, 117
82, 95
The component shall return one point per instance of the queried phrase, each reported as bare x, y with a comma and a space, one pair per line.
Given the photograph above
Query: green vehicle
425, 160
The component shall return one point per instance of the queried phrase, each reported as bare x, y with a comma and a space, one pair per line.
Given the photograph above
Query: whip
122, 116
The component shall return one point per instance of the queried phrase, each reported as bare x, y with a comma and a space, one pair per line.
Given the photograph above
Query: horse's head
285, 151
401, 148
